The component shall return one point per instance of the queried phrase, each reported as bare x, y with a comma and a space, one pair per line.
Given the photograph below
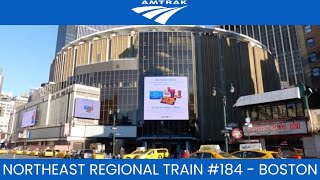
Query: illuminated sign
86, 108
29, 118
166, 98
276, 128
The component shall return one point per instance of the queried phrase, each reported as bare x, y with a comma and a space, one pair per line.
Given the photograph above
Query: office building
312, 40
66, 34
286, 43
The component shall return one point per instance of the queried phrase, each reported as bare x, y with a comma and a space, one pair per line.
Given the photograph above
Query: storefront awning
273, 96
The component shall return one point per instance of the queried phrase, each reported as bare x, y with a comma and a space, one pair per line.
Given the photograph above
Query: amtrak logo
163, 13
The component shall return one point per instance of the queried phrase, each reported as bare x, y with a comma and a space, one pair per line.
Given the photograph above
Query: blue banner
159, 12
160, 169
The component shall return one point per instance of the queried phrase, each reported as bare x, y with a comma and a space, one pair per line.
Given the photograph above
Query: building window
315, 71
307, 28
268, 112
312, 57
300, 111
310, 42
262, 113
292, 110
254, 113
275, 112
282, 111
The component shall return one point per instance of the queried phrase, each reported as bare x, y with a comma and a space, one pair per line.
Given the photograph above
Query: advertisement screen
29, 118
85, 108
166, 98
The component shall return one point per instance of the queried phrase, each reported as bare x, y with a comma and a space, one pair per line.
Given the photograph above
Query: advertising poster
160, 90
166, 98
29, 118
86, 108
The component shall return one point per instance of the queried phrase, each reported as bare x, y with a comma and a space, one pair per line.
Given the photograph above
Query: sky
26, 53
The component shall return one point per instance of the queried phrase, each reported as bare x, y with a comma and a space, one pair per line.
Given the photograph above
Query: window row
279, 111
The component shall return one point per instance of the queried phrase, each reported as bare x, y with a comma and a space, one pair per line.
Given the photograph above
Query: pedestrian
184, 154
122, 152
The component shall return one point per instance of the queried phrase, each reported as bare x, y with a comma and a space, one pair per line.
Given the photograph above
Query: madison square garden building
159, 80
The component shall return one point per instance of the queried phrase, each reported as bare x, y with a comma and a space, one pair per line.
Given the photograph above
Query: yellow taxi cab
24, 152
98, 156
41, 153
68, 155
156, 153
4, 151
61, 154
256, 154
210, 152
19, 152
12, 151
34, 152
48, 153
136, 152
56, 152
28, 152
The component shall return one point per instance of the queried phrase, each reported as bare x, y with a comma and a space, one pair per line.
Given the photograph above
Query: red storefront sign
276, 128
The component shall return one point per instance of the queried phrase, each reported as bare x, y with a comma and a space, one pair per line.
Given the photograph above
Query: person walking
122, 152
184, 154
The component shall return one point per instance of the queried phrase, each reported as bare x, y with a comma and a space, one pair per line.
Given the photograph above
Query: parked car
19, 152
99, 156
35, 152
28, 152
70, 154
60, 154
209, 154
133, 154
41, 153
256, 154
4, 151
48, 153
84, 154
56, 152
157, 153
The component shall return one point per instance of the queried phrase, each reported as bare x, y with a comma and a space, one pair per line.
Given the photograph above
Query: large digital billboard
166, 98
29, 118
86, 108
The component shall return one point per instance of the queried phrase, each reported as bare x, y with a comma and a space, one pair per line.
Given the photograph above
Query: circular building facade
119, 62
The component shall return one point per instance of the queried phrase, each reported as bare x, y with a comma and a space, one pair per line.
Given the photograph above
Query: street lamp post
114, 129
224, 99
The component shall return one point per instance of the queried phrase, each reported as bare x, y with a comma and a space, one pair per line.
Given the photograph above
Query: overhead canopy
273, 96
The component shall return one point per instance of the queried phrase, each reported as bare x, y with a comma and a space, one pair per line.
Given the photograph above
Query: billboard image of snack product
29, 118
86, 108
166, 98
